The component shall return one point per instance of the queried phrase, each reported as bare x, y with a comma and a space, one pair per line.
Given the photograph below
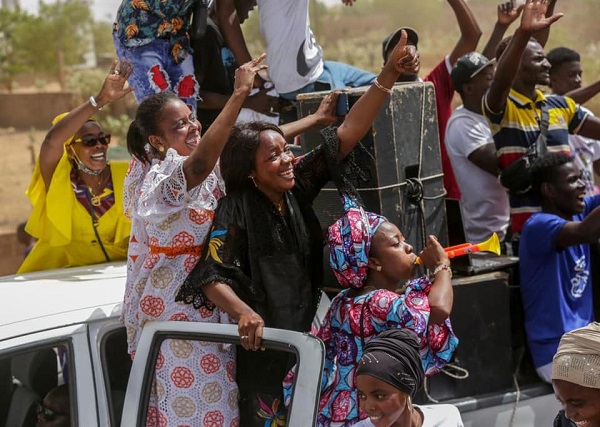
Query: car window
149, 380
116, 367
34, 387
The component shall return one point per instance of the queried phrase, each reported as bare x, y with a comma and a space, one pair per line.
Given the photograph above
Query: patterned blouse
139, 22
351, 321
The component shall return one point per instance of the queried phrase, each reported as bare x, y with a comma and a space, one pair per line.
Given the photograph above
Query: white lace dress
194, 383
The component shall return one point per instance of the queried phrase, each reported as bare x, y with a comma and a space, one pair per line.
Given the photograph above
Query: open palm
534, 16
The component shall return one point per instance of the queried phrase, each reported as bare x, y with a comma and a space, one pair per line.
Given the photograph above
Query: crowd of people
214, 214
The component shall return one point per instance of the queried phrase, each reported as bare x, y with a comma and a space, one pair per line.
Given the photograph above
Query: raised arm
325, 115
441, 295
363, 112
229, 24
533, 20
507, 14
52, 147
469, 30
585, 93
204, 157
580, 232
543, 35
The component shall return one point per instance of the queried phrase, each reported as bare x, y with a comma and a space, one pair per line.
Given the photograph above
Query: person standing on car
175, 206
76, 194
264, 258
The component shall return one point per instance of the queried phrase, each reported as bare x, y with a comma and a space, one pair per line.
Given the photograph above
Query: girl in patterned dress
370, 258
173, 189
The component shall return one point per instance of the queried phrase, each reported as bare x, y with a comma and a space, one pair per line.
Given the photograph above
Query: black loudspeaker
401, 172
481, 319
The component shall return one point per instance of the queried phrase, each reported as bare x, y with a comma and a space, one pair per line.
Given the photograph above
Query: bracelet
441, 267
94, 103
381, 87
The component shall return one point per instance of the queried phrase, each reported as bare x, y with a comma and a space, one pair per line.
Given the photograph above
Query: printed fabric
351, 321
141, 21
194, 383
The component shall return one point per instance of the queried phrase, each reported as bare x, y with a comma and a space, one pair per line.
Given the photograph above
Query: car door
308, 350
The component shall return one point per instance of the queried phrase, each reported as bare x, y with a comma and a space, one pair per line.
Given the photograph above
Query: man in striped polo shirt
513, 104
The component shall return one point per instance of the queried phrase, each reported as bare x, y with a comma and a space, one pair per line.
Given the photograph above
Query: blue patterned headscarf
349, 241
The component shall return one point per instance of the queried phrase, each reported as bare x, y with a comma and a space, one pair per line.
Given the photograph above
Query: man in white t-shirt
294, 56
484, 202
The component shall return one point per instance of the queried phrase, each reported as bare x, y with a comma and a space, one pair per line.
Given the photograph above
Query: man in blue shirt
556, 285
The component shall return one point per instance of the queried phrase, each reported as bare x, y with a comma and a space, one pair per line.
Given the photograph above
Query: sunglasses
47, 414
91, 141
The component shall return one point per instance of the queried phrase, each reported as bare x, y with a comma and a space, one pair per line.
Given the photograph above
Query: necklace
98, 190
280, 206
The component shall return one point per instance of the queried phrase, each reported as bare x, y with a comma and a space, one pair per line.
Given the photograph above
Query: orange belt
172, 251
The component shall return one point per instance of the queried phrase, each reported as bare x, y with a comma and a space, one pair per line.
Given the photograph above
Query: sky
105, 9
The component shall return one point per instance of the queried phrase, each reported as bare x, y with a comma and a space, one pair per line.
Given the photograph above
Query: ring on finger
244, 337
117, 72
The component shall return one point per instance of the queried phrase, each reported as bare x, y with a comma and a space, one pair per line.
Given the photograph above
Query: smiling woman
77, 196
576, 377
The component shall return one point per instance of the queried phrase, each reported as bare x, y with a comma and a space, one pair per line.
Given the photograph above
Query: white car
63, 326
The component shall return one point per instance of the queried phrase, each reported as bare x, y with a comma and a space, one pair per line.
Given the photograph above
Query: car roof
48, 299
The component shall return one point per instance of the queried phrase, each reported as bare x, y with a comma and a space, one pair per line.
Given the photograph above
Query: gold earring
409, 404
378, 268
161, 148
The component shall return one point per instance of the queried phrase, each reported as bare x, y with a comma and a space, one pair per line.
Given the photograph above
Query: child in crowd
370, 258
388, 376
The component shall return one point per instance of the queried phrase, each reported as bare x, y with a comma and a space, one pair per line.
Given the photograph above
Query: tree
55, 40
11, 61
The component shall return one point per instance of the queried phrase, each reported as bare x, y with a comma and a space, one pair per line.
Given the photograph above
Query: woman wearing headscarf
576, 377
388, 376
371, 260
77, 196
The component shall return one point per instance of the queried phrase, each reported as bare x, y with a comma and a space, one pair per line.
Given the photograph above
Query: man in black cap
483, 201
440, 77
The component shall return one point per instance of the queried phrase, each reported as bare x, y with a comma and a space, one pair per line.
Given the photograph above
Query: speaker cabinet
481, 319
401, 176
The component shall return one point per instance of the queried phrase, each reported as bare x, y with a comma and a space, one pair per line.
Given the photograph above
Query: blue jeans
338, 76
155, 71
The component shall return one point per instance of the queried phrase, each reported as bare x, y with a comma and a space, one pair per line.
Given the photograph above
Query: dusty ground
18, 151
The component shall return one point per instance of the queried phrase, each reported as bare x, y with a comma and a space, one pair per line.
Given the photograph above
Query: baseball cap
467, 67
393, 39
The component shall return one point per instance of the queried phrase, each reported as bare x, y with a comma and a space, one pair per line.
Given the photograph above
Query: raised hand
508, 13
245, 74
325, 114
113, 87
411, 62
534, 16
399, 53
433, 254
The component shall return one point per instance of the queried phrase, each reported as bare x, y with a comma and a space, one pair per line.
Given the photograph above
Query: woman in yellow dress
77, 196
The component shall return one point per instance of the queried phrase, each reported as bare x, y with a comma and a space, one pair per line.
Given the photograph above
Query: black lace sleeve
225, 257
323, 164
